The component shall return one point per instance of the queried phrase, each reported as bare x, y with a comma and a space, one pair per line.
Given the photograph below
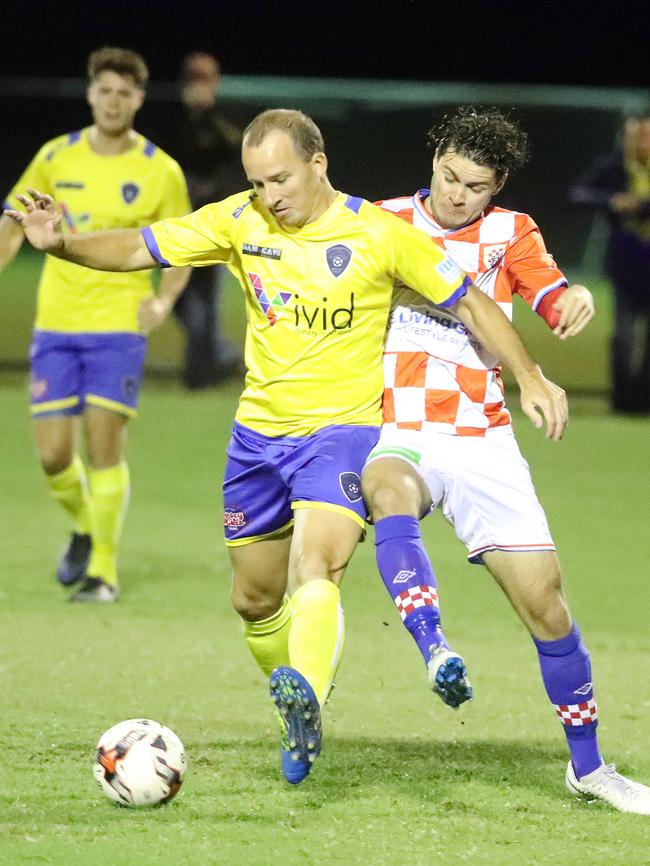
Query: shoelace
623, 785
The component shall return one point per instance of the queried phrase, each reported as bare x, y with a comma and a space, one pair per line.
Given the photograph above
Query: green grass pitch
403, 780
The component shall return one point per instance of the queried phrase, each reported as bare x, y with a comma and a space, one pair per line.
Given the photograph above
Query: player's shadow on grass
412, 769
405, 763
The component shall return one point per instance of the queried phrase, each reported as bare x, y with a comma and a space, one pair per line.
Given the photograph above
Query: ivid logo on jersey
350, 485
323, 318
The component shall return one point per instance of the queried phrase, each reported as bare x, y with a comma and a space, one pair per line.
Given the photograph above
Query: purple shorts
268, 476
72, 371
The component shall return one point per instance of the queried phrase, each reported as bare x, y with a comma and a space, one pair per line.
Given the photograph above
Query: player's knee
55, 459
253, 605
318, 565
387, 492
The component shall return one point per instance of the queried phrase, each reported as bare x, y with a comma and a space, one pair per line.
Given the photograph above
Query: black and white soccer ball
140, 762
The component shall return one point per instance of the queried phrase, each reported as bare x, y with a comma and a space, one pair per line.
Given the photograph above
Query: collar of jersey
418, 203
316, 224
139, 145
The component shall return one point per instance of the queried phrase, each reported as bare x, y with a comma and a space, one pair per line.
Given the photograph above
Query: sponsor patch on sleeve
449, 271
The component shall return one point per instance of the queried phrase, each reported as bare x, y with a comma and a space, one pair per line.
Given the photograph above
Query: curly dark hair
484, 135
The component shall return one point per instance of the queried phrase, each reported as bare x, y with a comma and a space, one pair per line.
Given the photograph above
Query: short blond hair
305, 136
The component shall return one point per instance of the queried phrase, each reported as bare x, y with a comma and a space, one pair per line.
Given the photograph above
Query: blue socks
566, 671
409, 578
565, 664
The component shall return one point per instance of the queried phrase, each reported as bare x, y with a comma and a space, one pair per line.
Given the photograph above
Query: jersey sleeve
200, 238
422, 265
175, 200
531, 269
35, 176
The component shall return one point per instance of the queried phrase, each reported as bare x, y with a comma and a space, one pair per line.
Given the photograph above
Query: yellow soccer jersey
97, 192
317, 302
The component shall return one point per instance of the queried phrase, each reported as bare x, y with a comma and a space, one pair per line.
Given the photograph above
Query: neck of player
111, 145
325, 198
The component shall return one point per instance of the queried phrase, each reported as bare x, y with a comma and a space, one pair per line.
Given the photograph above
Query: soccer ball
139, 763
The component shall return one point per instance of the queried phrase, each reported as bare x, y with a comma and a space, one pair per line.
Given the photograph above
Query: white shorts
482, 485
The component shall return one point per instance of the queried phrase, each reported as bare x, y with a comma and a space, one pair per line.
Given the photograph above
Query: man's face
288, 187
201, 81
460, 189
114, 100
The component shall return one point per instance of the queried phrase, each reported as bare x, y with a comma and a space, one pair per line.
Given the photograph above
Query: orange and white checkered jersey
437, 375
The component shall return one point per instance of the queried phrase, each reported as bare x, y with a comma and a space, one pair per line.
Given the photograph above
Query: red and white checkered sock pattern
577, 714
414, 597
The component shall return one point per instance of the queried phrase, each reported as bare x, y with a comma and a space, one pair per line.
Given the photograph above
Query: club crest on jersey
350, 485
492, 255
338, 258
130, 192
272, 306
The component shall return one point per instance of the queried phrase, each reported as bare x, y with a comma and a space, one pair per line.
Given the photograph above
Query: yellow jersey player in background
317, 268
89, 346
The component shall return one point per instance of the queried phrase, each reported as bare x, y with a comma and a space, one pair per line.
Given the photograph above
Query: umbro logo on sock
584, 690
404, 576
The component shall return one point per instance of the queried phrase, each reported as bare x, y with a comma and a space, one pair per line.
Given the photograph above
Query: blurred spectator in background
207, 145
618, 184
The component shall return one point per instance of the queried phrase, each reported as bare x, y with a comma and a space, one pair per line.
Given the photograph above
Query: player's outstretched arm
540, 398
119, 250
576, 308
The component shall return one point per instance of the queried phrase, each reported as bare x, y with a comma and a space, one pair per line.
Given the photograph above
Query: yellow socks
109, 498
268, 639
70, 489
317, 634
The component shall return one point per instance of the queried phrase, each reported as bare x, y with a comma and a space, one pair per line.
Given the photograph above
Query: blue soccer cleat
299, 713
74, 561
448, 677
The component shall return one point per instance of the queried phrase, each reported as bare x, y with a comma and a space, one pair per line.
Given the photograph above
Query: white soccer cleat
608, 785
448, 677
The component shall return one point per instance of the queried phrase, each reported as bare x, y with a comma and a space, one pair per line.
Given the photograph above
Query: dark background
585, 43
377, 146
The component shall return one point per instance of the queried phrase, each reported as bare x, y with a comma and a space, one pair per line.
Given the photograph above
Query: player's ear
500, 184
319, 161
